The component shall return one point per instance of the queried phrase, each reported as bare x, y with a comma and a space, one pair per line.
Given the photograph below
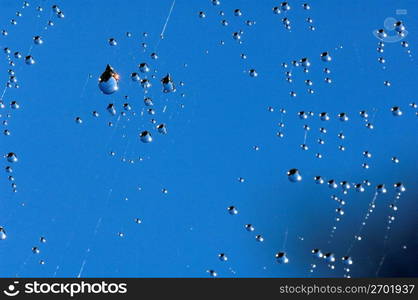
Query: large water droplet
108, 81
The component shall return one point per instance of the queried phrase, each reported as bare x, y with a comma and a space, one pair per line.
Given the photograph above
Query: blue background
76, 195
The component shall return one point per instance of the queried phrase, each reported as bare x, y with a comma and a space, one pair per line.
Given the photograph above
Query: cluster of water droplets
284, 10
16, 59
305, 70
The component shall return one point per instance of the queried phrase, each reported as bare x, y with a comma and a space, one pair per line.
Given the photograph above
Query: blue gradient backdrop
71, 191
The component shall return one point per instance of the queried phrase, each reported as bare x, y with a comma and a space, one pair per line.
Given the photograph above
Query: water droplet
161, 128
259, 238
381, 189
11, 157
276, 10
317, 253
222, 257
168, 84
14, 105
249, 227
318, 180
381, 33
154, 55
369, 125
359, 187
309, 82
232, 210
343, 117
396, 111
111, 109
326, 57
324, 116
253, 73
306, 6
237, 12
332, 184
143, 67
145, 83
135, 77
17, 55
294, 175
305, 62
29, 60
148, 101
339, 211
109, 81
285, 6
395, 160
3, 234
367, 154
250, 22
329, 257
399, 187
281, 258
55, 8
38, 40
400, 27
236, 36
347, 260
